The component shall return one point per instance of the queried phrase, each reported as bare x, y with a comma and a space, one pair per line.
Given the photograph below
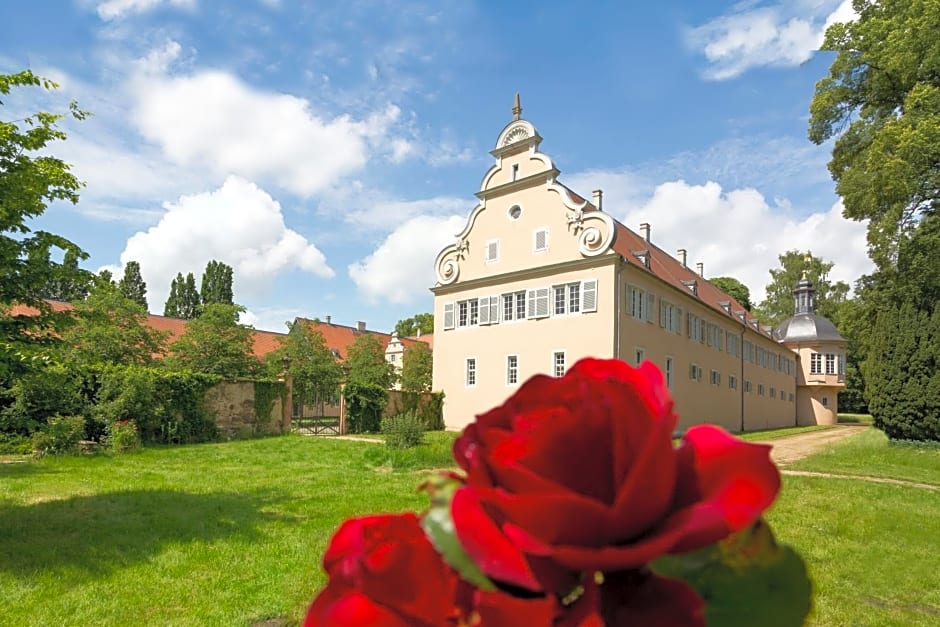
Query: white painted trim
466, 372
552, 370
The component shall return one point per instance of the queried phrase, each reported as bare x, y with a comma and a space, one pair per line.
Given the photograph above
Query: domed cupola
805, 325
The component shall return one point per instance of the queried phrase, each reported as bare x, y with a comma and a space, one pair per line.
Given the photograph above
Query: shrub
122, 436
38, 396
60, 435
365, 403
15, 444
405, 430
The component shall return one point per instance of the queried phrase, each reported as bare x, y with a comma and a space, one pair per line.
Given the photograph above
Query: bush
61, 435
15, 444
122, 436
365, 403
38, 396
403, 431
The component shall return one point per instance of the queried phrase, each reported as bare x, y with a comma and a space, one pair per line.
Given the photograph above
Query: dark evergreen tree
68, 283
132, 284
217, 284
183, 301
171, 308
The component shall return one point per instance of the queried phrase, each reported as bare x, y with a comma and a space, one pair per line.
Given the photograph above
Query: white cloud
239, 224
737, 233
113, 9
374, 210
213, 121
779, 35
402, 267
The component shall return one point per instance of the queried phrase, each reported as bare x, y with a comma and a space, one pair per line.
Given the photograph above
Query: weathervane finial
516, 108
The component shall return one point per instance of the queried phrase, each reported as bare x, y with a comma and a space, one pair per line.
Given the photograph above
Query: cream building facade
541, 277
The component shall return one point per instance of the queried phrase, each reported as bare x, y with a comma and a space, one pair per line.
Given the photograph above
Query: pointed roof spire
516, 108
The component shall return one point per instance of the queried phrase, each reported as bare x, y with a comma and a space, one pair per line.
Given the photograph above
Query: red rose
579, 474
383, 571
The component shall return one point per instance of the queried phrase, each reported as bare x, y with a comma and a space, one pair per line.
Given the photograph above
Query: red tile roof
340, 337
263, 342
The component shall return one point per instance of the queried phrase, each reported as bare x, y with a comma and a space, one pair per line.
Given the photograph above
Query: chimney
599, 199
360, 326
682, 255
328, 319
419, 333
700, 269
645, 231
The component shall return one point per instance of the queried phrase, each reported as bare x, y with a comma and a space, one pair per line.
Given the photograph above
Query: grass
858, 419
213, 534
773, 434
871, 454
233, 533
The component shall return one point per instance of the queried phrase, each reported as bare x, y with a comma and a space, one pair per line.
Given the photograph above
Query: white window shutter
530, 303
541, 302
541, 240
494, 309
662, 313
492, 250
589, 296
484, 310
650, 302
448, 316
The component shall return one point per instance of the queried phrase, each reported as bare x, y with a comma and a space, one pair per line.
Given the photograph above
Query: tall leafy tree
778, 305
881, 103
112, 329
366, 363
215, 343
734, 288
183, 301
105, 276
217, 283
409, 327
315, 371
30, 178
417, 367
132, 284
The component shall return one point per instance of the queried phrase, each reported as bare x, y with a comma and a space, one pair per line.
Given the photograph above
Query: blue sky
328, 150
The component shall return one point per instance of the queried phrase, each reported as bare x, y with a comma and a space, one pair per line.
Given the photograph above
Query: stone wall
233, 405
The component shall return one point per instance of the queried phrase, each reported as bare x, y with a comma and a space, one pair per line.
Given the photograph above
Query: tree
132, 284
315, 372
733, 288
366, 362
215, 343
30, 178
69, 282
409, 327
183, 301
881, 103
778, 304
416, 369
217, 283
105, 276
110, 329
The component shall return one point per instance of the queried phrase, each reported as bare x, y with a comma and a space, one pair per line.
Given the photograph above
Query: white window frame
668, 371
463, 313
589, 296
714, 377
489, 309
470, 372
512, 370
815, 363
832, 364
491, 252
449, 309
563, 363
732, 382
474, 317
535, 237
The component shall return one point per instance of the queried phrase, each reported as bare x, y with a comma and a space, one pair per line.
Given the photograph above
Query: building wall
819, 391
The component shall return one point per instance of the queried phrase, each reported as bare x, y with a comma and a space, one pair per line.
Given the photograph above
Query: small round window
514, 212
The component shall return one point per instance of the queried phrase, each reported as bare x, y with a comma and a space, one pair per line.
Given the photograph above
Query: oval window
514, 212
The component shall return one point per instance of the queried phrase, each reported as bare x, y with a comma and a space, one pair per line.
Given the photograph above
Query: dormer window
515, 171
643, 256
692, 285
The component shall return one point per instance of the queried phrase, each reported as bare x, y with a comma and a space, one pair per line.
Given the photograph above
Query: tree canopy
778, 304
112, 329
409, 327
217, 284
30, 179
734, 288
417, 367
881, 103
215, 343
315, 372
366, 362
183, 301
132, 284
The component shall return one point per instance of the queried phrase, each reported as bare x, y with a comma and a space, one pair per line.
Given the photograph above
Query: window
492, 251
574, 297
830, 363
639, 355
773, 392
515, 212
561, 300
538, 303
512, 369
669, 372
733, 345
748, 352
695, 372
514, 306
474, 311
696, 328
589, 296
760, 389
640, 303
825, 401
462, 308
448, 316
391, 358
558, 363
471, 371
670, 317
747, 386
714, 336
715, 377
540, 240
791, 397
515, 171
732, 382
815, 363
567, 298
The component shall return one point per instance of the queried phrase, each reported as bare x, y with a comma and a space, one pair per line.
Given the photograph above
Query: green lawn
232, 534
773, 434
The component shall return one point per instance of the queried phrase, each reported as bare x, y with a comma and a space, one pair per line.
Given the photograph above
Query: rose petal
350, 609
646, 599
